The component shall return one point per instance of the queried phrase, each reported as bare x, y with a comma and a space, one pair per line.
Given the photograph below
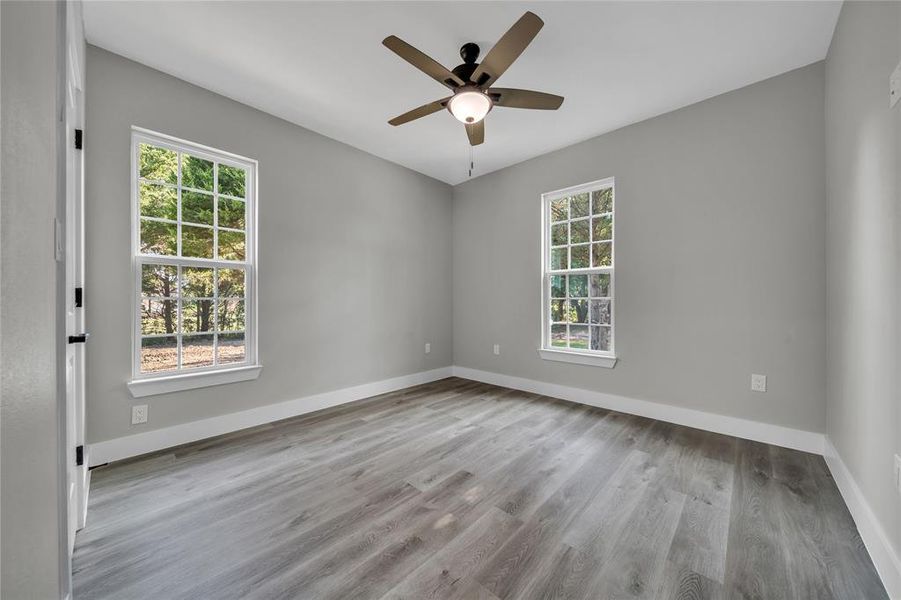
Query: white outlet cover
138, 414
497, 348
428, 348
895, 87
758, 383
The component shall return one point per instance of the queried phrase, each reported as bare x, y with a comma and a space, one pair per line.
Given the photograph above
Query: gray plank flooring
465, 491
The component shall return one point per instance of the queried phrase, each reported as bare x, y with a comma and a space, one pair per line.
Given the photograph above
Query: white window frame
145, 384
547, 351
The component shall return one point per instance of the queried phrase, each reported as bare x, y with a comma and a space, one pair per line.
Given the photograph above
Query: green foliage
579, 257
159, 164
602, 228
231, 245
196, 207
602, 201
578, 206
160, 201
231, 213
578, 232
578, 286
196, 173
231, 181
559, 209
601, 254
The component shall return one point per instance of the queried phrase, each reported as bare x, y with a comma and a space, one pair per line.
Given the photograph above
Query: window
577, 286
193, 241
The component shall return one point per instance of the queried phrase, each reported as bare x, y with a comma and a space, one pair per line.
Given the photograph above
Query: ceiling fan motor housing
469, 53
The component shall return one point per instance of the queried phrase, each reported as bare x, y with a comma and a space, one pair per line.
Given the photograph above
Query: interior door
74, 252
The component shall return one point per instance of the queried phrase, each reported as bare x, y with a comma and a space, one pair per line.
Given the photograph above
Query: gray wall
720, 227
864, 252
29, 412
354, 252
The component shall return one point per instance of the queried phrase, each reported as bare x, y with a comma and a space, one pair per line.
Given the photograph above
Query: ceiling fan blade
507, 49
476, 132
422, 111
423, 62
513, 98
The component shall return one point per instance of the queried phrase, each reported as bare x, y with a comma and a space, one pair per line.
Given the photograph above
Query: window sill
607, 361
190, 381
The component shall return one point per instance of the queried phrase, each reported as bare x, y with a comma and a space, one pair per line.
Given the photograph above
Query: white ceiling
321, 65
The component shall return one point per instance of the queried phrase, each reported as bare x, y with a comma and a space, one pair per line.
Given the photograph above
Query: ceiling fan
471, 82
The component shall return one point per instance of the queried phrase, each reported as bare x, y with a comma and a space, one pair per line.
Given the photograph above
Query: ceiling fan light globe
469, 106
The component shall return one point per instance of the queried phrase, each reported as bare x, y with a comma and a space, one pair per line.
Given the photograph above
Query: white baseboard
167, 437
777, 435
886, 560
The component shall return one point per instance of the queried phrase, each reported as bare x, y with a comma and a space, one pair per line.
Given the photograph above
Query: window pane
196, 351
600, 312
600, 255
159, 280
602, 201
578, 286
578, 231
600, 338
602, 228
197, 282
578, 311
196, 316
559, 258
158, 316
558, 335
159, 164
600, 285
196, 241
231, 180
578, 337
579, 259
578, 206
231, 245
231, 348
231, 213
558, 286
559, 234
231, 315
558, 311
196, 207
231, 283
158, 238
159, 354
560, 209
159, 201
196, 173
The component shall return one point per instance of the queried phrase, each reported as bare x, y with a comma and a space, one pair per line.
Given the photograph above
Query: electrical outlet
898, 473
428, 348
138, 414
497, 349
894, 87
758, 383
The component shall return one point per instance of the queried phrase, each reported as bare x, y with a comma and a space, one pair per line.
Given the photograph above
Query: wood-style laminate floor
462, 490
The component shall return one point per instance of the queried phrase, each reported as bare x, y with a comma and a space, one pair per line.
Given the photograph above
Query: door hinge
79, 456
81, 338
79, 298
79, 134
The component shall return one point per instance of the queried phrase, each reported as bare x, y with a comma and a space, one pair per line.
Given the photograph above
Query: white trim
159, 439
579, 358
547, 272
141, 135
797, 439
190, 381
885, 558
